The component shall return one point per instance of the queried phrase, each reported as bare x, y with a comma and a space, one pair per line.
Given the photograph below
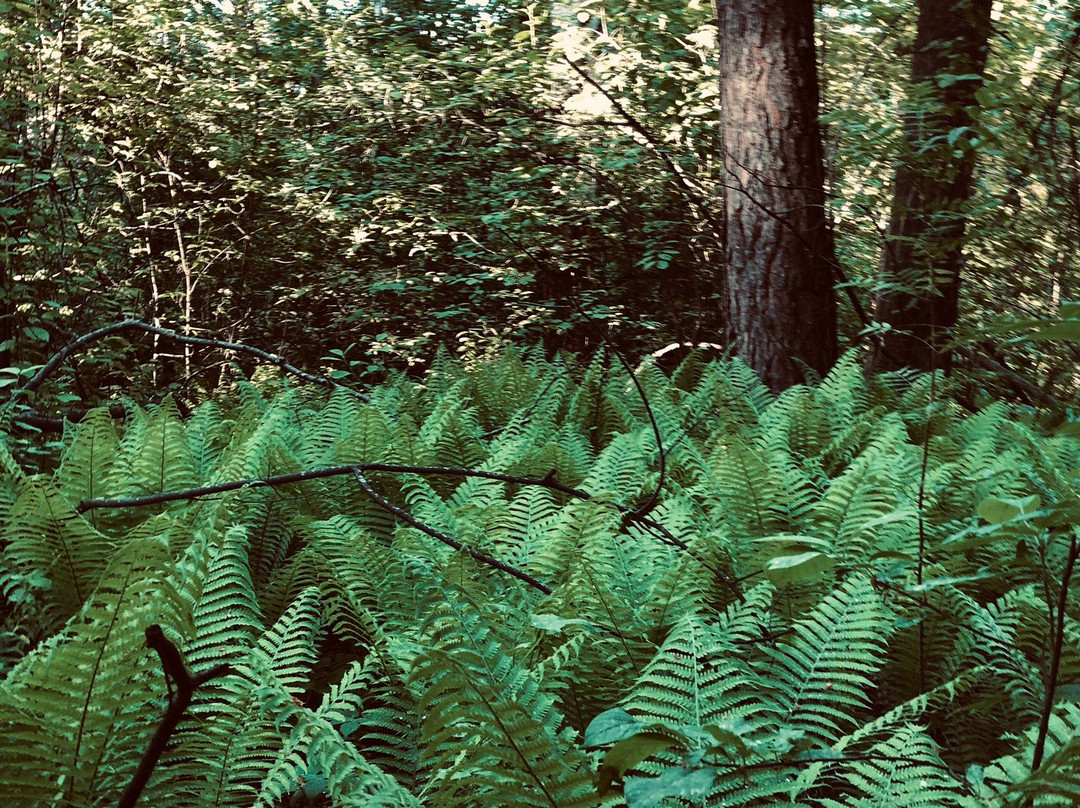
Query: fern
46, 538
1012, 781
76, 711
822, 675
905, 769
224, 758
478, 701
694, 679
374, 665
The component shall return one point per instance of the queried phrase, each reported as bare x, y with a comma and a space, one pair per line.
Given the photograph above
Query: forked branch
630, 515
182, 686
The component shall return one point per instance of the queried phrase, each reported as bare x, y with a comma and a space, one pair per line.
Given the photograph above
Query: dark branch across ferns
360, 470
639, 516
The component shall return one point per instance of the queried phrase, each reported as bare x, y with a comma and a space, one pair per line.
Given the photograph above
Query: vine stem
922, 522
1055, 656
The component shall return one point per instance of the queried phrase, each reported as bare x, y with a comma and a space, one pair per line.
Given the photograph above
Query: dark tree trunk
923, 254
779, 254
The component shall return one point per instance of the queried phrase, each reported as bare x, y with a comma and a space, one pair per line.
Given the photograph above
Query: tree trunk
779, 252
923, 255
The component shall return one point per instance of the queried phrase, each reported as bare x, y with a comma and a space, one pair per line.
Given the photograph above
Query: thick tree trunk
923, 254
779, 255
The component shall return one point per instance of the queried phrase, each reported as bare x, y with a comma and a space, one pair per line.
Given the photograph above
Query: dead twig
182, 686
57, 359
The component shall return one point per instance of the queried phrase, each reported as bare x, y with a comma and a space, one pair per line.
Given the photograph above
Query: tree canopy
382, 179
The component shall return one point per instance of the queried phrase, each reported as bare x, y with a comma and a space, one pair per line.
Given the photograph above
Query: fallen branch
61, 356
1011, 378
55, 423
476, 555
319, 474
363, 469
182, 686
674, 346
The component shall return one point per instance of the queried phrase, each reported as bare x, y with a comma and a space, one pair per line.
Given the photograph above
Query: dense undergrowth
854, 599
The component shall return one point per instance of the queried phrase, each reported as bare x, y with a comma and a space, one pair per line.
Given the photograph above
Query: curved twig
57, 359
645, 509
1058, 634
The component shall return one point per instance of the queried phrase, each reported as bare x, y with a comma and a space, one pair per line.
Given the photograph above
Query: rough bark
923, 255
779, 252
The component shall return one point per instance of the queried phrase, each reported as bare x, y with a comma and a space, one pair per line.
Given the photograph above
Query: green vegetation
477, 403
356, 184
853, 599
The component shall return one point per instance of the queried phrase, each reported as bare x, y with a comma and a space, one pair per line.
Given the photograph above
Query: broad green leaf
995, 510
732, 733
948, 580
788, 543
788, 569
628, 753
1066, 330
552, 622
611, 726
39, 334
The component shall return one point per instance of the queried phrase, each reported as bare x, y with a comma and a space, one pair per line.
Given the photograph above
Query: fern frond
1010, 780
77, 712
742, 485
87, 458
823, 673
850, 512
317, 760
694, 680
224, 753
227, 617
46, 538
156, 457
906, 769
483, 708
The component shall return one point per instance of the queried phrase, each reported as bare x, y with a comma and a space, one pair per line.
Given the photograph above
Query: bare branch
60, 356
650, 525
182, 686
55, 423
476, 555
692, 196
